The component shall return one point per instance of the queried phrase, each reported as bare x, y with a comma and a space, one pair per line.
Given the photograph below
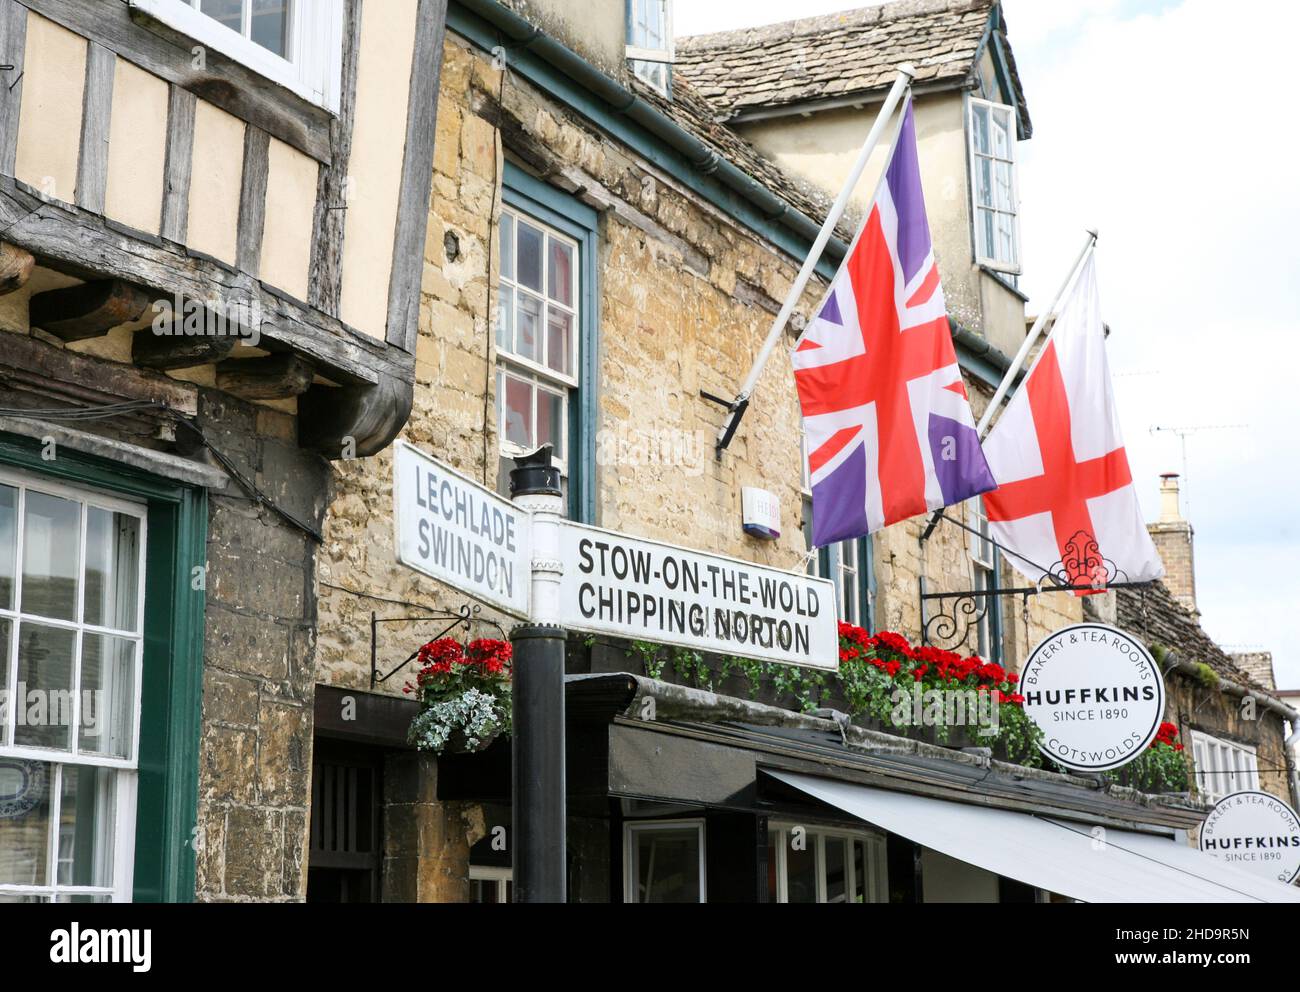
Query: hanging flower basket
464, 695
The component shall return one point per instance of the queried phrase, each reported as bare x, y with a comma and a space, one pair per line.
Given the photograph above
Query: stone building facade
684, 285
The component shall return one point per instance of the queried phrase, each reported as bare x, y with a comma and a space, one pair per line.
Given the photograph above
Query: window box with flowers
464, 695
1162, 767
882, 674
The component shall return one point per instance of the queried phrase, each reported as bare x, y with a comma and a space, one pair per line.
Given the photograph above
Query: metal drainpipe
524, 34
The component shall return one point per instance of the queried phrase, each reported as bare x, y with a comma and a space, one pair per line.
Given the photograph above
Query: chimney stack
1172, 536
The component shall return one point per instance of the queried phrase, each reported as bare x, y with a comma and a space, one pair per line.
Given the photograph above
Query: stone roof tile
836, 54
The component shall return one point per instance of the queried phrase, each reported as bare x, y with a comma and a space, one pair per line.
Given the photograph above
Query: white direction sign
646, 590
456, 531
1254, 831
1097, 695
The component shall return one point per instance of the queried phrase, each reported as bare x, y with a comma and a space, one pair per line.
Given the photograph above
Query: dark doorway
346, 859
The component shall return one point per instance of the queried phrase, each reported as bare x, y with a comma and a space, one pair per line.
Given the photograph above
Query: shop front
719, 799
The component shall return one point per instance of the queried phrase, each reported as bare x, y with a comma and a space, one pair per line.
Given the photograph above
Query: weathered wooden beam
181, 105
275, 377
417, 177
15, 267
96, 109
88, 309
325, 277
252, 200
58, 375
13, 51
77, 240
174, 349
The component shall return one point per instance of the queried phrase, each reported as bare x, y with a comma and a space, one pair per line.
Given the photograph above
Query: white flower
477, 715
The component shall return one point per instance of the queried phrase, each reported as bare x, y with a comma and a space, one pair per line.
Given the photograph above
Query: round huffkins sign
1255, 831
1097, 695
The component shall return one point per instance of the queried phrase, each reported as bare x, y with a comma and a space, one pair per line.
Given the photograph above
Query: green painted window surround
172, 683
571, 217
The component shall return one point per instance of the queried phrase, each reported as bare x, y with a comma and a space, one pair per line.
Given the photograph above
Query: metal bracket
465, 617
952, 623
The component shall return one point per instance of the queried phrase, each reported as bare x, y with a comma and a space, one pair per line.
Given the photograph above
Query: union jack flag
888, 424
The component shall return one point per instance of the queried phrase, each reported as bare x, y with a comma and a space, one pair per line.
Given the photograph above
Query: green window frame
172, 671
577, 221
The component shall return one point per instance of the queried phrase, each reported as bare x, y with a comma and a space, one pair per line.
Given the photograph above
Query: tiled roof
698, 116
1156, 617
836, 55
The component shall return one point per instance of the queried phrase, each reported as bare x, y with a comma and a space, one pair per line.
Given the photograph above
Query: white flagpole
1025, 346
737, 410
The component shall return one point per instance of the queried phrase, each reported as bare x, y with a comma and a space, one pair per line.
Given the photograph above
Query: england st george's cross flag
887, 423
1065, 497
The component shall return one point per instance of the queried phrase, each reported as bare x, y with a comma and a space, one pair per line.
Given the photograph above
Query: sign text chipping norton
1097, 695
455, 530
646, 590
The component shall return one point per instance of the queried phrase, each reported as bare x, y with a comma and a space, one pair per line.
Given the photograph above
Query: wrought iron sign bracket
957, 612
465, 617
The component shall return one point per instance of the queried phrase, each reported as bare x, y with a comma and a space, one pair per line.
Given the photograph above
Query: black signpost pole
538, 778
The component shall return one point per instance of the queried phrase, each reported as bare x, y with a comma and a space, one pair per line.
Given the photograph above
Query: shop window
650, 42
995, 206
1222, 767
492, 885
72, 573
664, 861
821, 865
345, 860
296, 43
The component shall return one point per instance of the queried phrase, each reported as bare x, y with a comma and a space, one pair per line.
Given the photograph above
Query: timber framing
87, 310
325, 279
13, 51
417, 178
177, 163
82, 244
222, 81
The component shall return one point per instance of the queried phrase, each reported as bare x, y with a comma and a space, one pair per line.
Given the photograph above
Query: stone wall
255, 752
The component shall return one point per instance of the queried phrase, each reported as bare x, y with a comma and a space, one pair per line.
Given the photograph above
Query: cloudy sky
1167, 125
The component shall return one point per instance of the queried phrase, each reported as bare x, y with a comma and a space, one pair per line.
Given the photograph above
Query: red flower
1167, 735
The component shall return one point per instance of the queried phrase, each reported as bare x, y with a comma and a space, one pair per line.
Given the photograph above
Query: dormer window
993, 185
650, 42
296, 43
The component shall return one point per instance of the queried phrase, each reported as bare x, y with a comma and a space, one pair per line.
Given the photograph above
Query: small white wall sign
454, 530
1097, 695
646, 590
760, 513
1255, 831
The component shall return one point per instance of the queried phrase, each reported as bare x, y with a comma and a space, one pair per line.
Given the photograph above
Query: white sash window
71, 633
1222, 767
537, 321
996, 200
